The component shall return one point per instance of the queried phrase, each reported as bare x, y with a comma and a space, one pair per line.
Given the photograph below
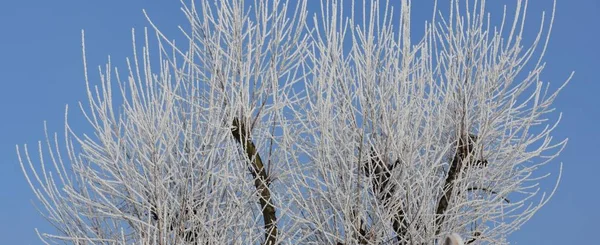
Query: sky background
41, 71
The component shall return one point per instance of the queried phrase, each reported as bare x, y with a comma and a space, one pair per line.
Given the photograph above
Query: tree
273, 128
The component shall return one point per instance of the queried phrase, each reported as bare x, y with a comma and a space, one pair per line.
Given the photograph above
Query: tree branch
475, 236
465, 148
487, 190
261, 180
384, 191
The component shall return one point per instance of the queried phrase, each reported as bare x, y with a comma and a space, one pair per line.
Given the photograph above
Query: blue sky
41, 71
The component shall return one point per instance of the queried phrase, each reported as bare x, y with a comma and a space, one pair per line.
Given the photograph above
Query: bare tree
271, 128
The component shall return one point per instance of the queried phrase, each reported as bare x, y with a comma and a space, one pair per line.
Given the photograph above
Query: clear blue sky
41, 71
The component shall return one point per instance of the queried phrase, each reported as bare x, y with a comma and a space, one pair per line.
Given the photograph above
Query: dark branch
261, 180
475, 236
383, 190
464, 151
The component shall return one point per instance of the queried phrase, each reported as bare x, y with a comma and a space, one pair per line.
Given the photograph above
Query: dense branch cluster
273, 128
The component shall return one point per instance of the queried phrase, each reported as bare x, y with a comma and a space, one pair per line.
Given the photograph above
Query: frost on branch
269, 127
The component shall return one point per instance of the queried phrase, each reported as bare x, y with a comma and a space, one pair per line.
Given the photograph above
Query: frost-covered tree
270, 127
